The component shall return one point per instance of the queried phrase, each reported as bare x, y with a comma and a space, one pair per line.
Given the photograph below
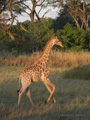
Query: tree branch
41, 3
37, 15
26, 6
12, 20
40, 10
74, 20
37, 1
23, 28
45, 13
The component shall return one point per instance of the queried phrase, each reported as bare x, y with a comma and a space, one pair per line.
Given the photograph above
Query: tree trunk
32, 17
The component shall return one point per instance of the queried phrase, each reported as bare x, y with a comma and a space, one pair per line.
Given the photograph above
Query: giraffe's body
38, 72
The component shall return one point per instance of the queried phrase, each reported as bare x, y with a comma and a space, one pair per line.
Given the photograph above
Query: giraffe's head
56, 41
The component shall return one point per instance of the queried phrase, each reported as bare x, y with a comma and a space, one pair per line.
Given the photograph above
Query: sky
52, 14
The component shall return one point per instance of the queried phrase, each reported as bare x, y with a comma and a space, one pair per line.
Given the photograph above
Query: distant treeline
38, 33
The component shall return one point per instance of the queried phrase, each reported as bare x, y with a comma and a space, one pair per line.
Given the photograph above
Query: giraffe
38, 72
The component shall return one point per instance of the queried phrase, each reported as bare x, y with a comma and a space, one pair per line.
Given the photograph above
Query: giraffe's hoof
55, 102
45, 102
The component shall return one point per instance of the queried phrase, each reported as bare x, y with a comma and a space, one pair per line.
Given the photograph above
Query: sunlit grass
72, 95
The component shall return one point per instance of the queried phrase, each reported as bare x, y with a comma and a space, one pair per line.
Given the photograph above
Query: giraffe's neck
45, 54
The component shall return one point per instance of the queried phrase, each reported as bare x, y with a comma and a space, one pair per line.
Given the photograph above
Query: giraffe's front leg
47, 83
52, 92
49, 89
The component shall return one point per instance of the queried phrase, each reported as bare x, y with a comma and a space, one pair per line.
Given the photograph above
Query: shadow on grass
80, 72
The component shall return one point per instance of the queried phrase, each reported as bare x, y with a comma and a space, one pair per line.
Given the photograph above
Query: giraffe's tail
18, 90
19, 85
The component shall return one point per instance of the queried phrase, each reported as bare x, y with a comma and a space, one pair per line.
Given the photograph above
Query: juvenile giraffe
38, 72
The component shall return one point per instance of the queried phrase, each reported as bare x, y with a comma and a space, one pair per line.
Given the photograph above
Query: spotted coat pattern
38, 72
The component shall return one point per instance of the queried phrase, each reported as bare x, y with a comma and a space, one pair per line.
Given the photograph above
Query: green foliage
38, 34
63, 18
73, 38
35, 38
4, 41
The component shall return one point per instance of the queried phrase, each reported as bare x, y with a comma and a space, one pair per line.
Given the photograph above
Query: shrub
73, 38
38, 33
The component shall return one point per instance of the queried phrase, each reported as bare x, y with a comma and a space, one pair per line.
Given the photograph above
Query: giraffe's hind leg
20, 94
22, 90
28, 94
49, 89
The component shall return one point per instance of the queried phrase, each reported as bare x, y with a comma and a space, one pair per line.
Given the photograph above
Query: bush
39, 33
35, 38
73, 38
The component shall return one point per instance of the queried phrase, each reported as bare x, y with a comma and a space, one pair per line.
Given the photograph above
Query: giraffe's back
34, 73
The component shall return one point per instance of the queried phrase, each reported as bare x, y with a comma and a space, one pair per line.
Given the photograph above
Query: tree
31, 8
39, 34
8, 10
73, 38
35, 39
62, 19
80, 11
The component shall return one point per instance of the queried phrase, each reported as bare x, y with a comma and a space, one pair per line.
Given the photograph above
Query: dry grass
73, 97
70, 58
57, 59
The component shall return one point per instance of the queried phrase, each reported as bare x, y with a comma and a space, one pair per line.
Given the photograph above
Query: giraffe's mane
43, 51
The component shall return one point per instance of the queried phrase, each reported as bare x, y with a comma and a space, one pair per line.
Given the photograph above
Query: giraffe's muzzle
60, 44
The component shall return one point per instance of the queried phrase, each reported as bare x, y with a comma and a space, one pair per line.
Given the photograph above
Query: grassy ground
79, 72
72, 95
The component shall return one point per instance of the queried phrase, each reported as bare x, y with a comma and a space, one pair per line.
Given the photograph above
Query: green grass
80, 72
72, 95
